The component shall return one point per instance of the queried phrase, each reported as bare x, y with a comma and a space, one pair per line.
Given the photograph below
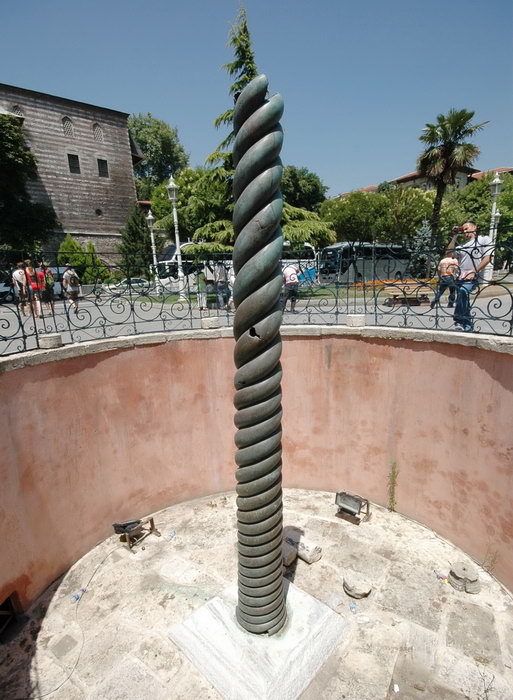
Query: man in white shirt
71, 285
291, 284
474, 255
19, 281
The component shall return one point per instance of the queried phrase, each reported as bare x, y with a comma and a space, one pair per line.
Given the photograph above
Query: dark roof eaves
64, 99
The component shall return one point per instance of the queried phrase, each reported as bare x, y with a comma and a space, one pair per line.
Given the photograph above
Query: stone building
85, 164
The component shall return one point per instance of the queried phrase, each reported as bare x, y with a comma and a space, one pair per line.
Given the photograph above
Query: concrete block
355, 320
211, 322
289, 553
307, 551
356, 585
50, 340
241, 665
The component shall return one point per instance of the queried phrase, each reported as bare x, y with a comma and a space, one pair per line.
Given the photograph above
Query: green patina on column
256, 259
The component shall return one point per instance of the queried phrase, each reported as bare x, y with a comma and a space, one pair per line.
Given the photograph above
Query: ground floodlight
350, 507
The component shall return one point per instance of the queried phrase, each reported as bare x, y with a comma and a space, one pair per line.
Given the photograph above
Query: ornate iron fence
391, 285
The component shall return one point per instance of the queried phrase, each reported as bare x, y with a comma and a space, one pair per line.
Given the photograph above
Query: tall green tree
23, 224
70, 251
163, 152
302, 188
243, 68
404, 209
135, 246
356, 216
447, 150
95, 271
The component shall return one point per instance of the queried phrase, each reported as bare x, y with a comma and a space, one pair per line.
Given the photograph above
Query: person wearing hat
71, 285
47, 284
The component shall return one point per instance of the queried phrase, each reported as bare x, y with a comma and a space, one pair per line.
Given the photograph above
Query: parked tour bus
347, 263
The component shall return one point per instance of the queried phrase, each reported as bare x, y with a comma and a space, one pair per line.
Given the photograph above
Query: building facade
85, 159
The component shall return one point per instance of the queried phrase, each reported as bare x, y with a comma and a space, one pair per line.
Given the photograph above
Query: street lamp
172, 192
495, 189
150, 221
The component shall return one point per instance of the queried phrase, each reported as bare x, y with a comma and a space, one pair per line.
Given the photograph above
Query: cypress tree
244, 69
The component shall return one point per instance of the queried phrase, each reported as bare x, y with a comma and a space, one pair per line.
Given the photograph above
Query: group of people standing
460, 272
222, 279
36, 286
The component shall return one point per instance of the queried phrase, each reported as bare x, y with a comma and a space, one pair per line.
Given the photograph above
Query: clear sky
359, 79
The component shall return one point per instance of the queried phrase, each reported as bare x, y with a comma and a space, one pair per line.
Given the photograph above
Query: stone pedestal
50, 340
355, 320
241, 665
210, 322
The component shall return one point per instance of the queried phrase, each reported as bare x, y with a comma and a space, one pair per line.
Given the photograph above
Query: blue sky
359, 80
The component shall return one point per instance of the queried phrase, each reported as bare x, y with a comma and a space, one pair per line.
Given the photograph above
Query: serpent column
256, 259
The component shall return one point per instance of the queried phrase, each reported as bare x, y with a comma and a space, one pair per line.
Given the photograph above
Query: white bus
347, 263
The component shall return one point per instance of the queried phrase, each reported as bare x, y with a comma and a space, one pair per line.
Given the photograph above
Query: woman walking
33, 288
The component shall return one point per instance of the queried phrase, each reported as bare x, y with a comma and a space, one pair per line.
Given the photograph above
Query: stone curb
491, 343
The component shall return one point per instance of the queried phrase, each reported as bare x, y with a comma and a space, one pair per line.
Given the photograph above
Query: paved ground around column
413, 637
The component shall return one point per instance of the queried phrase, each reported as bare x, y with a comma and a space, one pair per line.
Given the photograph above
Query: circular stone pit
413, 632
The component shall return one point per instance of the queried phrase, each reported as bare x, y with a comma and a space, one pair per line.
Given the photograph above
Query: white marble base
244, 666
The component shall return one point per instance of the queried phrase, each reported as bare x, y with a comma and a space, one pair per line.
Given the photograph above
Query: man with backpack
46, 286
71, 285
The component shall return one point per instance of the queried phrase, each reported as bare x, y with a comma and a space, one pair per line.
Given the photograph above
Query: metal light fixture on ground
350, 507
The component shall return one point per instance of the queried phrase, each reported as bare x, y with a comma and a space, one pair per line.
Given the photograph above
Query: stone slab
242, 666
355, 320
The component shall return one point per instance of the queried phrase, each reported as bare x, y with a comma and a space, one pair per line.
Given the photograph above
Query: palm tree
446, 153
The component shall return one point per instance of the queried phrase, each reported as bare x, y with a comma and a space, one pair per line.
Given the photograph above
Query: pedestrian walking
33, 288
71, 284
19, 283
48, 288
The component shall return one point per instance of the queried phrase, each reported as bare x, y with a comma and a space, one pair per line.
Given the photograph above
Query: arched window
98, 133
67, 126
16, 109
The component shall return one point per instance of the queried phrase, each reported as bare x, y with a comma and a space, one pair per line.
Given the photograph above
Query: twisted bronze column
256, 260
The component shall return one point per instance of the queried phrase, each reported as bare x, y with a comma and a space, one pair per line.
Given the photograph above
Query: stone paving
413, 637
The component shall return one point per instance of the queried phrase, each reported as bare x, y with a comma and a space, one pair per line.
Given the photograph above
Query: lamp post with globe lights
495, 189
172, 192
150, 221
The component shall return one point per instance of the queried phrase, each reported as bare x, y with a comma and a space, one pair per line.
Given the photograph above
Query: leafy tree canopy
23, 224
302, 188
404, 210
474, 203
87, 264
299, 227
164, 154
355, 217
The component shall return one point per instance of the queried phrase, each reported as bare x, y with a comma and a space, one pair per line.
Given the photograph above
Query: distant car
136, 285
6, 293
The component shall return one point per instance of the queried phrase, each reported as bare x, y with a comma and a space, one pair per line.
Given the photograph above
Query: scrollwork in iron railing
391, 285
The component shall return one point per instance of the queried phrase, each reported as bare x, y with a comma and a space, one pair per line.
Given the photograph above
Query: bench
413, 294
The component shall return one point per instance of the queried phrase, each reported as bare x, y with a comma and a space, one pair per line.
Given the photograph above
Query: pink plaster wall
104, 437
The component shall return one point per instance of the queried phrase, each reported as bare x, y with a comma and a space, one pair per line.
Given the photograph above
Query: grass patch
392, 486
